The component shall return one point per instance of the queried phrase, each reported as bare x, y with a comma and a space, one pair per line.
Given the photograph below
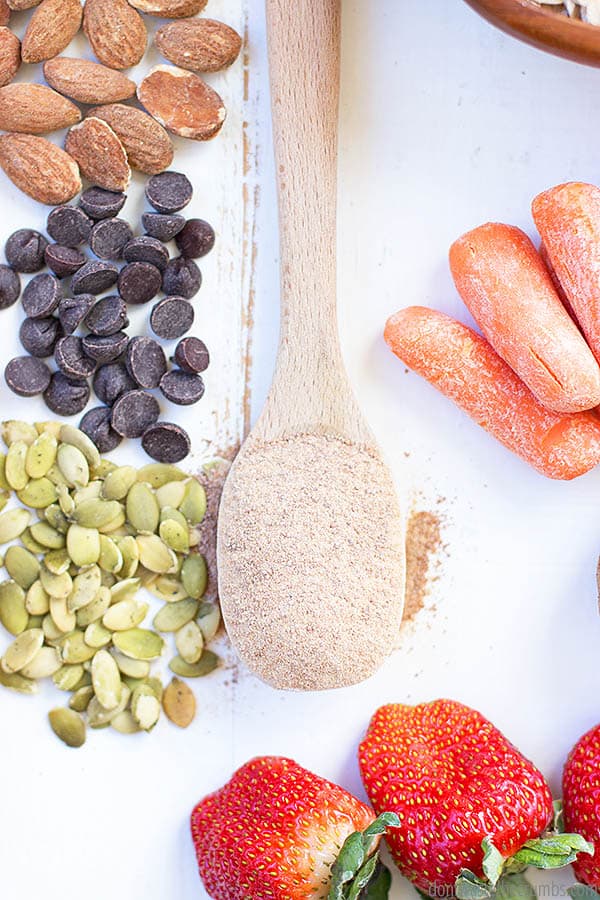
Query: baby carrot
463, 366
568, 220
557, 285
504, 283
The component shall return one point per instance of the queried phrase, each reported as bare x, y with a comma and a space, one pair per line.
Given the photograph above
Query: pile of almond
109, 139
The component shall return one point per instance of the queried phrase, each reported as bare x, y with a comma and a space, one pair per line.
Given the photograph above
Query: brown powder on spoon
311, 562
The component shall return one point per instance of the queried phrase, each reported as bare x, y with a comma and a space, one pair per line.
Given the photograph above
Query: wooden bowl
569, 38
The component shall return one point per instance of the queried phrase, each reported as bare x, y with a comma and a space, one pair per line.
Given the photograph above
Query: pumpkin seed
96, 513
142, 508
124, 590
94, 611
68, 726
125, 615
171, 494
65, 501
62, 616
56, 476
3, 482
81, 698
68, 677
92, 491
13, 523
58, 586
104, 468
46, 662
55, 517
13, 612
22, 566
117, 483
51, 632
37, 602
85, 588
75, 650
83, 545
4, 498
155, 685
106, 680
30, 544
96, 635
57, 561
98, 717
207, 663
125, 723
108, 580
189, 642
193, 505
155, 555
22, 650
157, 474
38, 493
73, 465
139, 643
35, 621
15, 471
194, 575
175, 535
13, 430
168, 588
131, 556
110, 558
174, 616
133, 668
51, 427
71, 435
147, 578
179, 703
114, 525
17, 682
145, 707
41, 455
47, 536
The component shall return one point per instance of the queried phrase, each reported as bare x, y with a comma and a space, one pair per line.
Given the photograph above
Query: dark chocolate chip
171, 318
146, 361
66, 396
42, 296
71, 358
196, 239
133, 413
24, 250
166, 442
39, 336
73, 310
101, 204
64, 261
10, 287
139, 282
169, 192
182, 388
161, 226
182, 277
94, 278
112, 380
109, 236
27, 376
191, 355
69, 226
96, 424
108, 316
105, 349
147, 249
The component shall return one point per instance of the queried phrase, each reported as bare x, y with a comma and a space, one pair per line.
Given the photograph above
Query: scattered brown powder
423, 542
212, 478
311, 562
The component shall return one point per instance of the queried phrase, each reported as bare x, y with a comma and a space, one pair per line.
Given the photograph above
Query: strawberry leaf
493, 861
357, 873
379, 887
514, 887
469, 887
553, 851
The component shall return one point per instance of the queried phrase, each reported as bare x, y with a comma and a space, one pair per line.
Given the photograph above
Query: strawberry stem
358, 873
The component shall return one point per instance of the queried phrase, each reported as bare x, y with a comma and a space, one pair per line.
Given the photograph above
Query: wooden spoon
310, 543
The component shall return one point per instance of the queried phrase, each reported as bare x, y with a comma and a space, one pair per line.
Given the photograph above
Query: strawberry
278, 832
466, 798
581, 798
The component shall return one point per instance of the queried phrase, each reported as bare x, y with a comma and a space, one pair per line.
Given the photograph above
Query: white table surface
445, 124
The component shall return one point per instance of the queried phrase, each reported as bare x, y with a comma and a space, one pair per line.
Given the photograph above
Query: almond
4, 13
22, 4
35, 109
182, 102
10, 55
100, 154
203, 45
170, 9
40, 169
51, 28
87, 81
116, 32
148, 146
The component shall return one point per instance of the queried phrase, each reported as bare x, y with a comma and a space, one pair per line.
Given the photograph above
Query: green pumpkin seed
22, 566
157, 474
4, 498
207, 663
13, 612
85, 588
104, 468
139, 643
168, 588
57, 561
110, 558
193, 505
14, 431
96, 513
142, 508
114, 526
175, 535
47, 536
55, 517
68, 677
174, 616
68, 726
106, 680
83, 545
17, 682
58, 586
3, 482
94, 611
41, 455
145, 707
52, 634
194, 575
38, 493
125, 723
118, 483
13, 523
15, 471
50, 427
45, 663
92, 491
125, 615
171, 494
108, 580
132, 668
155, 555
35, 621
37, 601
98, 717
73, 465
30, 544
189, 642
56, 476
65, 501
96, 635
62, 616
147, 578
22, 650
156, 686
131, 556
81, 698
71, 435
124, 590
75, 650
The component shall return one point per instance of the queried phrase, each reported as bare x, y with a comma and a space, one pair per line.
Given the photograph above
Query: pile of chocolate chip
85, 332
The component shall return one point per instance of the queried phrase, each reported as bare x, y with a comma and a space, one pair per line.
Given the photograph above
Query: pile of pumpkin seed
87, 536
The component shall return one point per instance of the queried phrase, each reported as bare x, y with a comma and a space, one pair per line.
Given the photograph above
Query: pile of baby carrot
533, 379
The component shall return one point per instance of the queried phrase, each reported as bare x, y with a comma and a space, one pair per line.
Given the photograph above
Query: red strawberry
275, 831
454, 780
581, 797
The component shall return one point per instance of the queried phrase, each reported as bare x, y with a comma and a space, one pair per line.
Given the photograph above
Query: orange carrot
504, 283
557, 285
568, 220
463, 366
